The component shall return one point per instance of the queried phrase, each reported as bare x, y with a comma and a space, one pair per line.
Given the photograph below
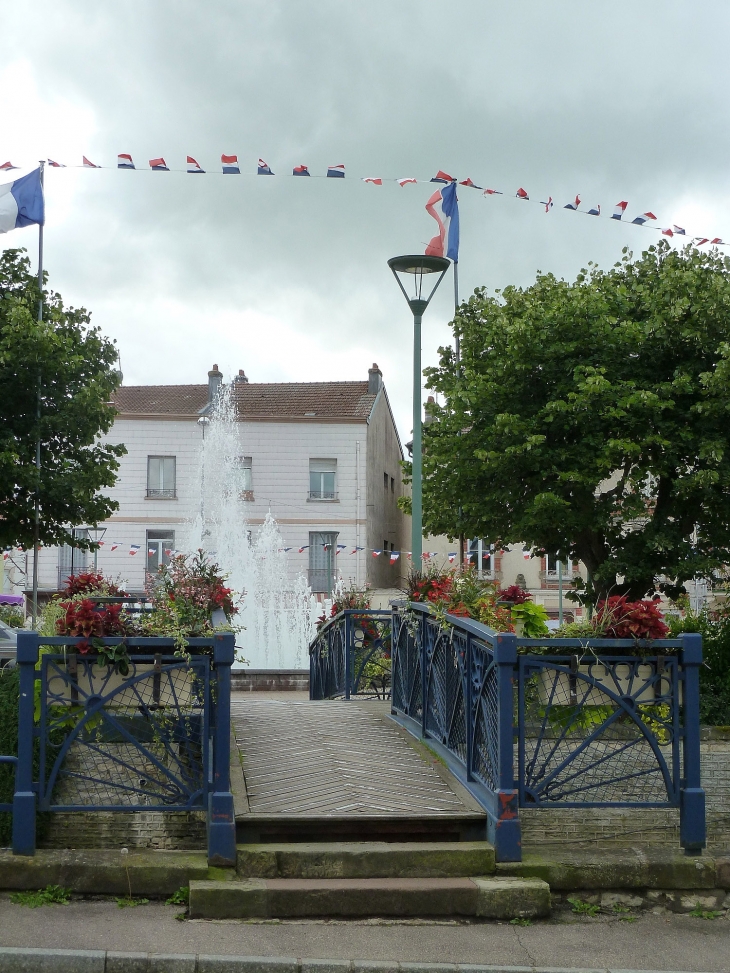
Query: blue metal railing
523, 729
350, 656
155, 738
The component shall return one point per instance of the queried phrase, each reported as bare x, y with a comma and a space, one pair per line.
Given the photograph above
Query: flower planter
568, 689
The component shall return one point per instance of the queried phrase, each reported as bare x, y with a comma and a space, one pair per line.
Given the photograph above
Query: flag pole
462, 539
36, 529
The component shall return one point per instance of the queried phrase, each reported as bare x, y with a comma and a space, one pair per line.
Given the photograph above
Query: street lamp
95, 534
417, 267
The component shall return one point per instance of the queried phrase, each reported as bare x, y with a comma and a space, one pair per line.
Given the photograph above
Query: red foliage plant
433, 588
88, 581
514, 594
82, 619
630, 619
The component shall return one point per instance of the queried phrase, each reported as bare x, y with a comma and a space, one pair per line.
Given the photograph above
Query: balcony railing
322, 495
161, 494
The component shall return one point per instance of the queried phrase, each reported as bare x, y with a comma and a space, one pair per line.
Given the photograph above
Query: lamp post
96, 534
417, 267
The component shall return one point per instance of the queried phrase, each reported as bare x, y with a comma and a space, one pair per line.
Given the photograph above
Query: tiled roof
180, 400
255, 400
327, 400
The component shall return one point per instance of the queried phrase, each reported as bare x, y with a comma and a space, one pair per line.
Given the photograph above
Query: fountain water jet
278, 611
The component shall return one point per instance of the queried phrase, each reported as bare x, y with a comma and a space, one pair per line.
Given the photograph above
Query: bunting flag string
229, 165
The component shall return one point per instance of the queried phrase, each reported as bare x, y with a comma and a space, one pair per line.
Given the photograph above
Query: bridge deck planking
333, 757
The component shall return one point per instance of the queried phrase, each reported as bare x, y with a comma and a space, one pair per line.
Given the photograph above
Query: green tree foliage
74, 367
592, 420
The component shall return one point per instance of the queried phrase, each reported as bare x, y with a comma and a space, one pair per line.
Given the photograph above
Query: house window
72, 560
551, 568
245, 464
322, 476
161, 477
385, 481
160, 545
392, 484
481, 556
322, 552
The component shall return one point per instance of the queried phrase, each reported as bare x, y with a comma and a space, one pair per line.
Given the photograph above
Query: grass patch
520, 921
128, 903
50, 895
181, 897
581, 908
699, 913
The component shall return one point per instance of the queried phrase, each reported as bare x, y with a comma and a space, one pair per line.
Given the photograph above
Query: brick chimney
215, 380
241, 377
375, 380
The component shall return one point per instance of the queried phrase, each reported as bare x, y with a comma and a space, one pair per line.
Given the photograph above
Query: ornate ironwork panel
407, 672
113, 742
599, 731
446, 675
484, 717
351, 655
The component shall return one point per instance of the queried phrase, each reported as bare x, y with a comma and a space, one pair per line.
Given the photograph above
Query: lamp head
417, 266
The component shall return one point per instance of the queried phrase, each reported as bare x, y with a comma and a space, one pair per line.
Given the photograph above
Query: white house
323, 457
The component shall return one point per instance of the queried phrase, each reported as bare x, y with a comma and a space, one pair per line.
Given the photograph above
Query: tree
73, 367
592, 420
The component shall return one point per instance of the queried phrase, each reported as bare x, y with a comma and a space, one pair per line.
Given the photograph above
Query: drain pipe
357, 512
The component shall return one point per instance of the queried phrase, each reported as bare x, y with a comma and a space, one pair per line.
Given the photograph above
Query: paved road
650, 943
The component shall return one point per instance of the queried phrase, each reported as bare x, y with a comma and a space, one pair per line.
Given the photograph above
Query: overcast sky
287, 278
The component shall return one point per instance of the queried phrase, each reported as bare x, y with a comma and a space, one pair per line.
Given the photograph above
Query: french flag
21, 202
114, 546
452, 557
404, 182
303, 548
124, 161
700, 240
595, 210
574, 205
470, 184
679, 230
133, 548
619, 210
377, 553
375, 180
443, 177
56, 165
717, 241
394, 555
7, 166
668, 232
336, 172
300, 171
521, 194
193, 165
444, 208
643, 218
230, 165
496, 192
88, 165
159, 165
547, 204
263, 169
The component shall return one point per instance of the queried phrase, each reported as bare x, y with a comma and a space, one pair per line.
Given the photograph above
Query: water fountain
278, 610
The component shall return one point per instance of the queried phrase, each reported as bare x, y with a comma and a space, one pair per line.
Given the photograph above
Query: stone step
299, 898
282, 827
366, 859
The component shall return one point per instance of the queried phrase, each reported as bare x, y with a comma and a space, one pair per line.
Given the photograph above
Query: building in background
323, 457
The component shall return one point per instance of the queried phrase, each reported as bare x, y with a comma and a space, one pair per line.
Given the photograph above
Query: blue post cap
224, 648
692, 649
28, 643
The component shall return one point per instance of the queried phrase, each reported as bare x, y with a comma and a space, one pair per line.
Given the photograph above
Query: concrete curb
13, 960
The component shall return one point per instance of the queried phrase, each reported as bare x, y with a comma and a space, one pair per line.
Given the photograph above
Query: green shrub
9, 695
12, 616
715, 673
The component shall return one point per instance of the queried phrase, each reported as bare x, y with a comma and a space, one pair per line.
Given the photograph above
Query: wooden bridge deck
344, 761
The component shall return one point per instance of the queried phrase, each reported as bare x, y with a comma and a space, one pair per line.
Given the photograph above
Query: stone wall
269, 680
657, 825
172, 830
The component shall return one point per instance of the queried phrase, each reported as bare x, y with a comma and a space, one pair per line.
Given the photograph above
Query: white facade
155, 515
